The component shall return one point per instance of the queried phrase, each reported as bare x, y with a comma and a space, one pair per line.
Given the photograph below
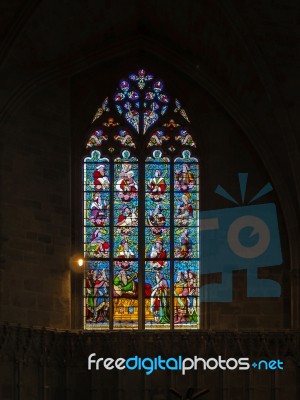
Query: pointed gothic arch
141, 233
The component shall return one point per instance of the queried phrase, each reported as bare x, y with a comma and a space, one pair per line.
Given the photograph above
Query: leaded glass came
141, 234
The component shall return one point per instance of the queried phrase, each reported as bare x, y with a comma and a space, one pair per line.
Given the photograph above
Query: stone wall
35, 207
52, 365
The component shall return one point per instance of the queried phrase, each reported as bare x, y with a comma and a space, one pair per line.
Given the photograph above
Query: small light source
80, 262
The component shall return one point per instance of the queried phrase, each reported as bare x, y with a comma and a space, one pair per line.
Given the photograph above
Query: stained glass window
141, 235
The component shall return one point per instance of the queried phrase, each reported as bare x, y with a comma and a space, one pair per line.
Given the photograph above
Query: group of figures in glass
117, 253
124, 207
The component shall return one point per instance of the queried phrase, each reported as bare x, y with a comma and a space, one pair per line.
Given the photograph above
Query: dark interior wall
35, 202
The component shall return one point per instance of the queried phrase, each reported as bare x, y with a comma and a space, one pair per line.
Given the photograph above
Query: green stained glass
186, 294
157, 306
96, 295
141, 212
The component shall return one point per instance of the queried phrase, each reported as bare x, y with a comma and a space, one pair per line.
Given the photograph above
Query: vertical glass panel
186, 242
125, 208
96, 206
157, 295
186, 207
157, 241
157, 206
125, 294
125, 281
96, 295
186, 294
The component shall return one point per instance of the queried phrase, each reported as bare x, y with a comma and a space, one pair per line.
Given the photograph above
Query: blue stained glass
125, 295
96, 139
133, 77
157, 246
96, 295
185, 138
149, 96
154, 106
132, 117
157, 213
96, 242
186, 209
163, 98
186, 294
96, 211
125, 242
124, 137
157, 180
150, 117
181, 111
141, 100
119, 96
186, 241
186, 177
101, 110
158, 86
133, 95
163, 110
141, 78
125, 214
153, 100
157, 138
157, 305
124, 85
95, 156
126, 181
157, 157
96, 173
125, 279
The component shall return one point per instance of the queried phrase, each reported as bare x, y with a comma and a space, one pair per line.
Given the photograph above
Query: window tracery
141, 212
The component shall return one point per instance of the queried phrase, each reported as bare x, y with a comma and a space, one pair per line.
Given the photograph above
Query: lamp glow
80, 262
